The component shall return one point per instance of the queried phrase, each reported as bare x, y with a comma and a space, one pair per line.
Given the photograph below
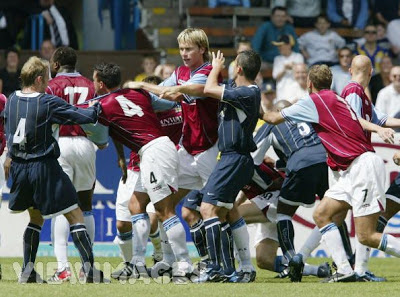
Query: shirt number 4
128, 107
19, 135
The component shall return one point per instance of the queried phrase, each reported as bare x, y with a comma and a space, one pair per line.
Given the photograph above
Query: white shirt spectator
340, 78
388, 101
392, 32
321, 47
284, 85
297, 93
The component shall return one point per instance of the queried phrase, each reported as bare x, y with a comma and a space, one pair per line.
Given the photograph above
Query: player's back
131, 117
358, 90
74, 89
339, 130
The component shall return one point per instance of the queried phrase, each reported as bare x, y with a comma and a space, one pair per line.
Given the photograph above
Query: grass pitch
265, 285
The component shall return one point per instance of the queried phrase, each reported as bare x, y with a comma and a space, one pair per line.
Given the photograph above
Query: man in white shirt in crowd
340, 73
388, 100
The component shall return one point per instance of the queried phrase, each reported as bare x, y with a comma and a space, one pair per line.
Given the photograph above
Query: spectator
282, 70
388, 100
58, 26
371, 49
215, 3
271, 31
381, 79
9, 76
268, 96
386, 11
382, 41
164, 70
299, 90
242, 45
340, 73
320, 45
301, 13
149, 64
46, 49
348, 13
393, 35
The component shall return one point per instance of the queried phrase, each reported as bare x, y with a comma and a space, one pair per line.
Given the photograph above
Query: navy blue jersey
31, 120
238, 115
299, 142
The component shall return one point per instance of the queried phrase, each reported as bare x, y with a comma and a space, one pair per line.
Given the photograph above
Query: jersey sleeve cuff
286, 117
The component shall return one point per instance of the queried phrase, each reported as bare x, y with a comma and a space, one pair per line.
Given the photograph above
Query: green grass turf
265, 285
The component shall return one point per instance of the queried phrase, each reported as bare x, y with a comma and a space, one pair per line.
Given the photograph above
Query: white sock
88, 219
124, 241
156, 241
141, 231
60, 234
242, 240
177, 237
310, 270
311, 243
333, 241
168, 254
390, 245
362, 257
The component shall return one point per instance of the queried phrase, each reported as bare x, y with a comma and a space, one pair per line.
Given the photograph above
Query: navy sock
280, 264
286, 238
382, 222
83, 244
31, 244
213, 236
344, 234
198, 233
227, 250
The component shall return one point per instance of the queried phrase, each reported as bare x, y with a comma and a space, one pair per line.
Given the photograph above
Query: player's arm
121, 159
273, 117
386, 134
158, 90
212, 88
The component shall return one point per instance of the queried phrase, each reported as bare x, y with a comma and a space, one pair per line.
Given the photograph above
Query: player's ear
202, 50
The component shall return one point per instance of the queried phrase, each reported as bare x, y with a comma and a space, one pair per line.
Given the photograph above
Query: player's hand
269, 161
386, 134
169, 93
133, 85
122, 165
218, 60
7, 165
396, 158
92, 102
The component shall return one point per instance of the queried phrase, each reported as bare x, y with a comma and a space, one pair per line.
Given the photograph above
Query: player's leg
154, 234
323, 217
85, 204
191, 214
392, 204
242, 239
31, 240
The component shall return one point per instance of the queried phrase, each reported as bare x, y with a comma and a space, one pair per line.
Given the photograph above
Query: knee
264, 263
320, 217
368, 239
37, 220
190, 216
124, 227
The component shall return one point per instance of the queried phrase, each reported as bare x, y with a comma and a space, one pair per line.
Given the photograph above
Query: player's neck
30, 90
66, 70
241, 81
360, 80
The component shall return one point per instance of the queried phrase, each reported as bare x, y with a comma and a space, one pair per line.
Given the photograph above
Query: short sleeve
303, 110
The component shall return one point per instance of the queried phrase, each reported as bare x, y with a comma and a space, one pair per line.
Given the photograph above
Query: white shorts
362, 185
124, 194
268, 202
265, 231
158, 169
78, 160
195, 170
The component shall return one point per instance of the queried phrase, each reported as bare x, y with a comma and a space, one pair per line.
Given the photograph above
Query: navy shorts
41, 185
193, 200
300, 187
232, 172
393, 193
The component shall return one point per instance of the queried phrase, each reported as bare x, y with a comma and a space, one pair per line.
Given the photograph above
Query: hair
242, 39
322, 16
198, 37
109, 74
32, 69
153, 79
11, 50
282, 8
281, 104
320, 76
150, 57
345, 48
65, 56
250, 62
